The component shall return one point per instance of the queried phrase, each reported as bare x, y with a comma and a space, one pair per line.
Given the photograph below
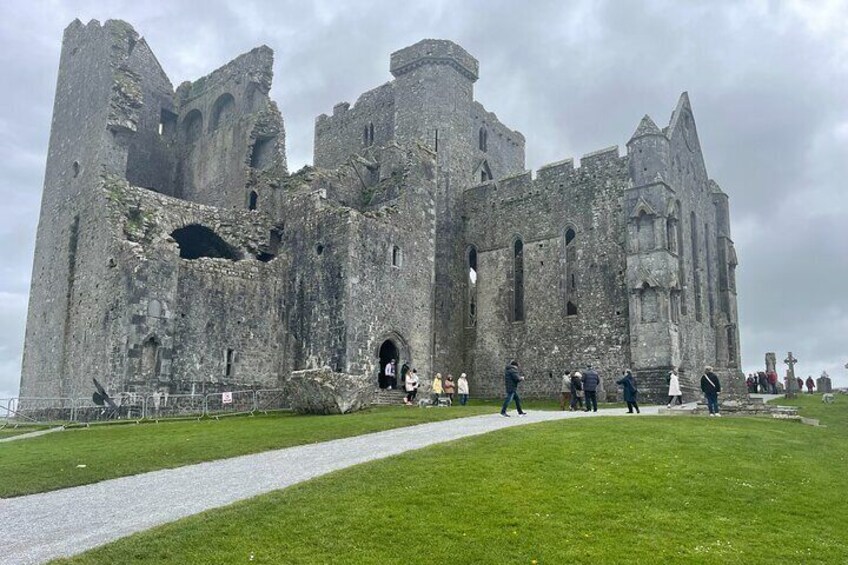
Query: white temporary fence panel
271, 399
163, 405
231, 402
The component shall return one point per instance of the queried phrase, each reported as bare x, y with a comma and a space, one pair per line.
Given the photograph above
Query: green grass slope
604, 490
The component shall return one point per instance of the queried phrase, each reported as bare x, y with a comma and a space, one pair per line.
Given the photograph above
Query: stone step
388, 397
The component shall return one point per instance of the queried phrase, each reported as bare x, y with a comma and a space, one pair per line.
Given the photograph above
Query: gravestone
791, 381
823, 383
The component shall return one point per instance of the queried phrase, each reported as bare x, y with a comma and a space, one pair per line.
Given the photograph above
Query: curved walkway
40, 527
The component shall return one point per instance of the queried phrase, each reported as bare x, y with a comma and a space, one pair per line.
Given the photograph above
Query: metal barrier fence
137, 406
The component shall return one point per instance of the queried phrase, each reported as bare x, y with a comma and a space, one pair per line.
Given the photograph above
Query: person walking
565, 390
411, 386
450, 387
631, 393
711, 387
462, 389
576, 391
811, 385
511, 381
436, 389
674, 388
591, 380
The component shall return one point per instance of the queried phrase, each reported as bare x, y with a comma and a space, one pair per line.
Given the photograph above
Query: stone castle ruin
176, 252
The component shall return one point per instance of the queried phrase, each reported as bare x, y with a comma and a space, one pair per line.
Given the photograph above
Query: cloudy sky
768, 83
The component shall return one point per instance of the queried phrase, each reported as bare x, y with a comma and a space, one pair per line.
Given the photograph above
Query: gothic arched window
518, 281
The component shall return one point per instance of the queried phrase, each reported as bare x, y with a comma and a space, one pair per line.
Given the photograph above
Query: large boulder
323, 391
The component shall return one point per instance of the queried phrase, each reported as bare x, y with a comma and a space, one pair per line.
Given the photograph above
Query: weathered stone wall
151, 152
502, 153
70, 258
348, 130
549, 340
217, 118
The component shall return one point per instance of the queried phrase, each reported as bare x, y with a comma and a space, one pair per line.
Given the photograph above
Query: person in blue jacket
631, 393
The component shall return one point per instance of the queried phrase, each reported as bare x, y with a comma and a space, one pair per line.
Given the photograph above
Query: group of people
577, 388
764, 382
439, 388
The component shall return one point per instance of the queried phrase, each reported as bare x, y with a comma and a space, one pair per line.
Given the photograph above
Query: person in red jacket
772, 381
811, 385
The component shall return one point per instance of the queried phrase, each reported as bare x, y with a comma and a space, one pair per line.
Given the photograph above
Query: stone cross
792, 385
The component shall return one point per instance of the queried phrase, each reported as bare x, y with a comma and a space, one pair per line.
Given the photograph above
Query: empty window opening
681, 272
518, 288
570, 271
262, 154
223, 111
436, 141
193, 126
483, 140
150, 358
319, 249
368, 135
76, 168
472, 287
167, 122
696, 273
397, 256
708, 258
229, 363
275, 238
252, 200
197, 241
671, 234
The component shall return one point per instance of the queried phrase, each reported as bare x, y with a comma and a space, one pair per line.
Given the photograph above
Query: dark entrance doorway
388, 352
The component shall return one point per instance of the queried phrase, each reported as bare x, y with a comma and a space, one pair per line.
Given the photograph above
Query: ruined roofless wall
549, 340
227, 128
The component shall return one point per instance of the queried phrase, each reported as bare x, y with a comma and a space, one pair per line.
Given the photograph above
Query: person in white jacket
462, 389
674, 388
411, 386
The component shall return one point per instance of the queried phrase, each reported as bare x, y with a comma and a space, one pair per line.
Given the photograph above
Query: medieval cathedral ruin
175, 250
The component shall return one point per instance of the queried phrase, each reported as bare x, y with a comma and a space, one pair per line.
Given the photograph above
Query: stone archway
388, 352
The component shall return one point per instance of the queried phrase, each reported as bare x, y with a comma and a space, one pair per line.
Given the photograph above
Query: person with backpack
711, 387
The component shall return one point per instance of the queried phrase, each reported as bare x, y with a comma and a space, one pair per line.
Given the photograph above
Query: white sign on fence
226, 398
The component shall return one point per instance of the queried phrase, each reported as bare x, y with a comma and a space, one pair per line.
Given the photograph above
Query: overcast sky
768, 83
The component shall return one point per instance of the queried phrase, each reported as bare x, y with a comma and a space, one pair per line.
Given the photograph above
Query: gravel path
40, 527
32, 434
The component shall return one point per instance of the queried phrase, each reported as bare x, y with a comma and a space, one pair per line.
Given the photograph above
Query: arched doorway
388, 353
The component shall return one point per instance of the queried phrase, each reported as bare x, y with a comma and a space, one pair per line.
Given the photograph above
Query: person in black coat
711, 387
511, 380
631, 393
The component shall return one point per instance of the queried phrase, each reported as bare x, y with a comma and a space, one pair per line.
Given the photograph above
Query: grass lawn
108, 451
602, 490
